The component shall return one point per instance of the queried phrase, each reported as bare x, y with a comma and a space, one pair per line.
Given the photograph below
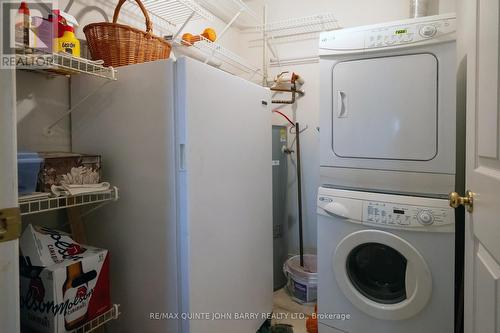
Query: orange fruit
186, 39
189, 39
209, 34
195, 39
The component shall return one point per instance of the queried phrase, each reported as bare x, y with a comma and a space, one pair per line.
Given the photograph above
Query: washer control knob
428, 31
425, 217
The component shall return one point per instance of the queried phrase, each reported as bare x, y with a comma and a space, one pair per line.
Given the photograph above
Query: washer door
382, 274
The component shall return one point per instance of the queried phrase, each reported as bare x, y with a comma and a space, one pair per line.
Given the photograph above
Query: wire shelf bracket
282, 31
48, 130
63, 64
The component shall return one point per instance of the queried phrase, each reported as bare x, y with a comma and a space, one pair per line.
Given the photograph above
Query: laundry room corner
299, 55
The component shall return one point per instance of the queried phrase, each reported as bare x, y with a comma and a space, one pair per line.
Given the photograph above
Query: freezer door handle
182, 157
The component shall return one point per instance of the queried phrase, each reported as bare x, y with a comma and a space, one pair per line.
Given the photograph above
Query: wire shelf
176, 12
48, 204
217, 51
299, 26
62, 64
172, 16
95, 323
227, 9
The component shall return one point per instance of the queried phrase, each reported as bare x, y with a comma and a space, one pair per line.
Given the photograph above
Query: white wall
306, 110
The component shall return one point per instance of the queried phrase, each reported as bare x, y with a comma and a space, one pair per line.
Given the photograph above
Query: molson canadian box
63, 284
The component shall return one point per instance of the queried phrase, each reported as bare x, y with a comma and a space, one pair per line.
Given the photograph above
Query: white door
224, 133
9, 250
479, 50
388, 119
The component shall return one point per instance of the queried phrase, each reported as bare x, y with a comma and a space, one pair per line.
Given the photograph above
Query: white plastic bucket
302, 281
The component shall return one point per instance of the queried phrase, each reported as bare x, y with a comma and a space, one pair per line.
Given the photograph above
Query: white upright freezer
189, 147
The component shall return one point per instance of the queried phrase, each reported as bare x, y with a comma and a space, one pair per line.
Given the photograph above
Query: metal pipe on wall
418, 8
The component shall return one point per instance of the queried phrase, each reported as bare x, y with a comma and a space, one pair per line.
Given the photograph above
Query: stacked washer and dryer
388, 128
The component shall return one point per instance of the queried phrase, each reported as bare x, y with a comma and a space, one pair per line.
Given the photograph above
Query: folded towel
74, 189
34, 196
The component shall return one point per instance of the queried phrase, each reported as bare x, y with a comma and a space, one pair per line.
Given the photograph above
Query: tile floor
290, 312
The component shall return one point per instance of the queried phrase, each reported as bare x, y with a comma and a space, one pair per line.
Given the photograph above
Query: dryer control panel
425, 30
405, 215
408, 33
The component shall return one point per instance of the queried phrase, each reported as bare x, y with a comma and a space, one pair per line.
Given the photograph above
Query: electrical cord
284, 116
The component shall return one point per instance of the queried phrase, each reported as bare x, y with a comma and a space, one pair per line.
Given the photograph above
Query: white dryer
385, 263
387, 110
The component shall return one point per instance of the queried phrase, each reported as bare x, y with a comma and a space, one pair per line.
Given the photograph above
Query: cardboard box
56, 165
63, 284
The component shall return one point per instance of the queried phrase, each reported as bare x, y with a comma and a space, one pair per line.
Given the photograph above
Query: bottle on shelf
23, 34
66, 40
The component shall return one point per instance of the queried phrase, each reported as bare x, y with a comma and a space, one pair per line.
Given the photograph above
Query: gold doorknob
468, 201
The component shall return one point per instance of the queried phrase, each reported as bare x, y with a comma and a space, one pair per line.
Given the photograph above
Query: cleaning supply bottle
68, 42
22, 27
66, 39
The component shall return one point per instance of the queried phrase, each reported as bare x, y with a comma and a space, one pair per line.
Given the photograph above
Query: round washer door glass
378, 272
385, 277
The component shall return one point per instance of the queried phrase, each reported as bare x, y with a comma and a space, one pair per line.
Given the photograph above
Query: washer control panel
405, 215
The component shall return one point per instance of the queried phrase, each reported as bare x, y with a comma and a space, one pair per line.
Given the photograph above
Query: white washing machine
387, 109
385, 263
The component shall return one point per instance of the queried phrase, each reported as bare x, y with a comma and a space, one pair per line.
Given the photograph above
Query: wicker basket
120, 45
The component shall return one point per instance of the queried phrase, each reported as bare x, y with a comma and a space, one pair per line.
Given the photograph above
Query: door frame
9, 250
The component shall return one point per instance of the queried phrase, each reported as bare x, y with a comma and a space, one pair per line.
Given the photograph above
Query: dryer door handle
341, 104
336, 209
